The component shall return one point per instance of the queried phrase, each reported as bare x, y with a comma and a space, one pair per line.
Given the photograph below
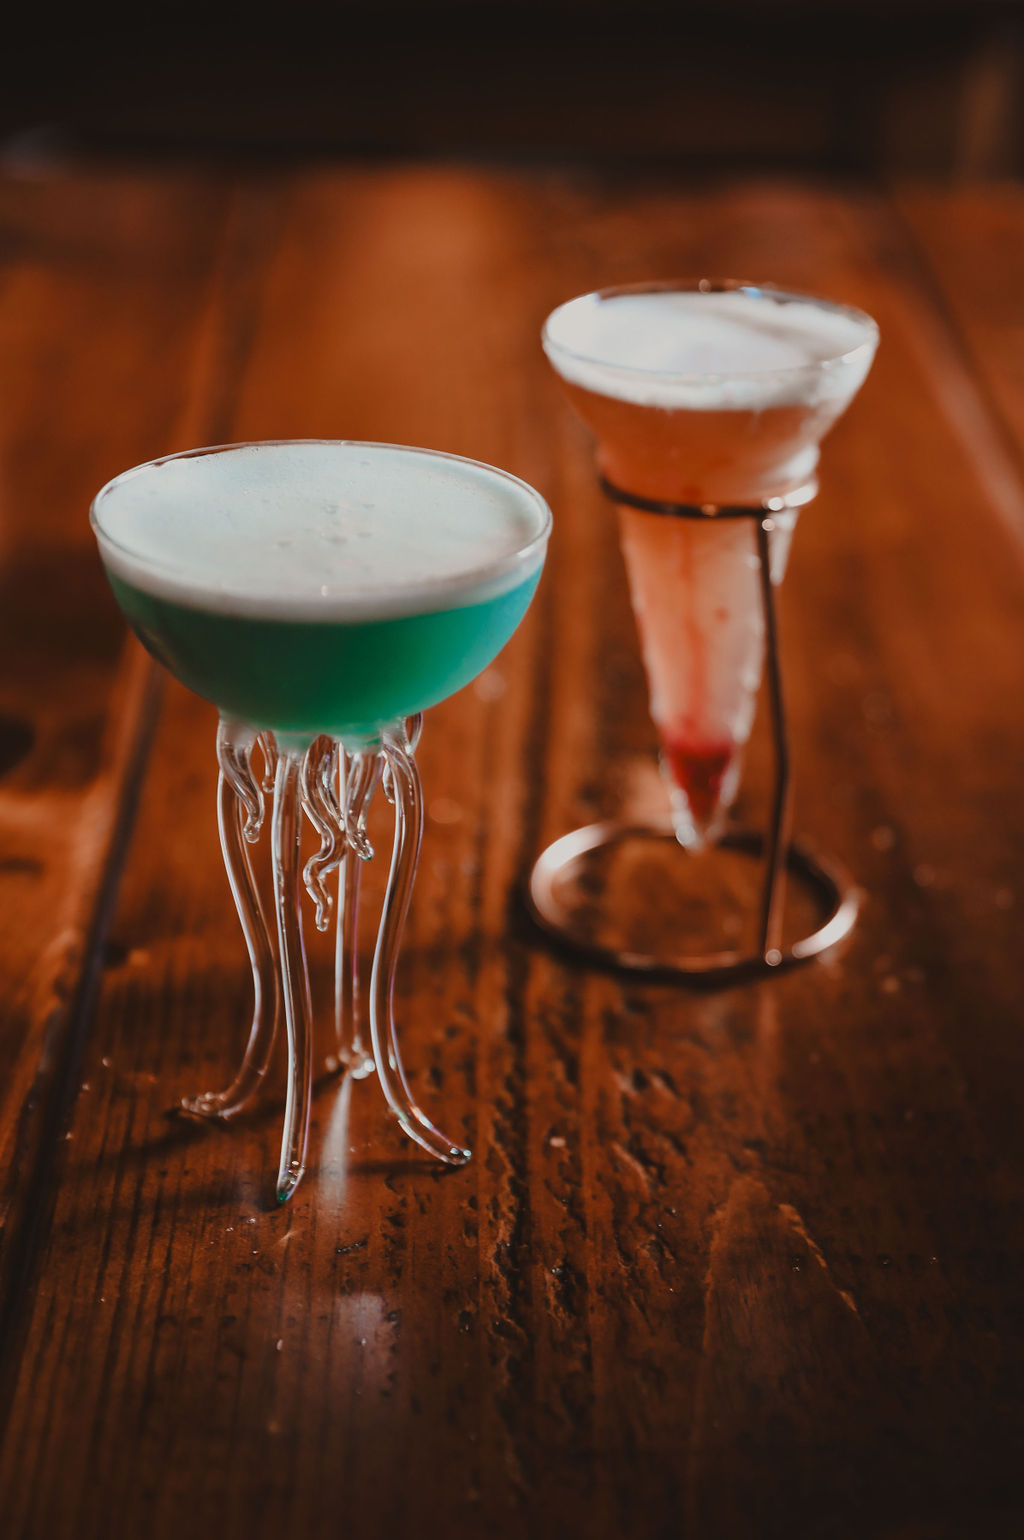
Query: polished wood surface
734, 1263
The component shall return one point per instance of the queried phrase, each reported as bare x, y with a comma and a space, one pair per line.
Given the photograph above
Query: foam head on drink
708, 397
315, 587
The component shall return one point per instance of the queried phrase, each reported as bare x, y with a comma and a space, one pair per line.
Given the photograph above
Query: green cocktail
321, 594
347, 679
322, 587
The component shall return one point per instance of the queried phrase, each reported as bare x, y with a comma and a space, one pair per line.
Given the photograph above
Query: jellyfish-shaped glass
322, 594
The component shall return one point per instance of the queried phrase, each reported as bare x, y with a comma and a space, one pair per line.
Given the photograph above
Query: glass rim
554, 348
441, 587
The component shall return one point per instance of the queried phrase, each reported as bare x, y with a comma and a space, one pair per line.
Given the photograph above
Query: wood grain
731, 1264
968, 245
102, 273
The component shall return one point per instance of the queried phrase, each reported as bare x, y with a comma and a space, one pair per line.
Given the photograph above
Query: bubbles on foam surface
739, 349
290, 528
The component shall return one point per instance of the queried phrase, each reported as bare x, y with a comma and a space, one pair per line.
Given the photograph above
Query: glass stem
240, 812
286, 833
360, 775
352, 1051
402, 785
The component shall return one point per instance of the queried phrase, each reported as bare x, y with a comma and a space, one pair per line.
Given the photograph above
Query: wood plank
725, 1263
107, 271
102, 273
968, 245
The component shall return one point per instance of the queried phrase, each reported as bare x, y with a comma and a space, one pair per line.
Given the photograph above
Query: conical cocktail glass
322, 595
709, 402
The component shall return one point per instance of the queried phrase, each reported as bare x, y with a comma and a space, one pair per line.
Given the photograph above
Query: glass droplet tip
287, 1183
206, 1105
359, 1066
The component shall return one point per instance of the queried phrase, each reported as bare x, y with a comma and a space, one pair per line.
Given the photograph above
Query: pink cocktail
709, 402
710, 398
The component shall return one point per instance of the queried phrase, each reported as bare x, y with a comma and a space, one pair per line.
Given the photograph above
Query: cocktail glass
322, 595
709, 402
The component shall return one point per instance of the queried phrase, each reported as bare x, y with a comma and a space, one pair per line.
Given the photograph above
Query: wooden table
734, 1263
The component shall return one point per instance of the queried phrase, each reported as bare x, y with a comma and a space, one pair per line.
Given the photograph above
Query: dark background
841, 87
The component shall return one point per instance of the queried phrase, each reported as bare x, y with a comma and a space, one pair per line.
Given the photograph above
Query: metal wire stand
832, 887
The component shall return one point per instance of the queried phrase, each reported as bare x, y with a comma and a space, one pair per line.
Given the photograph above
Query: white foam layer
318, 530
738, 349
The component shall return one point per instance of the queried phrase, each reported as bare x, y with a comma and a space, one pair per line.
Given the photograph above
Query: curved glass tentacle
235, 744
413, 727
268, 748
402, 784
240, 812
319, 778
362, 777
286, 831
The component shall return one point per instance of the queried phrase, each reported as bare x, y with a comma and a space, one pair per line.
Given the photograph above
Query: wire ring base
837, 896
